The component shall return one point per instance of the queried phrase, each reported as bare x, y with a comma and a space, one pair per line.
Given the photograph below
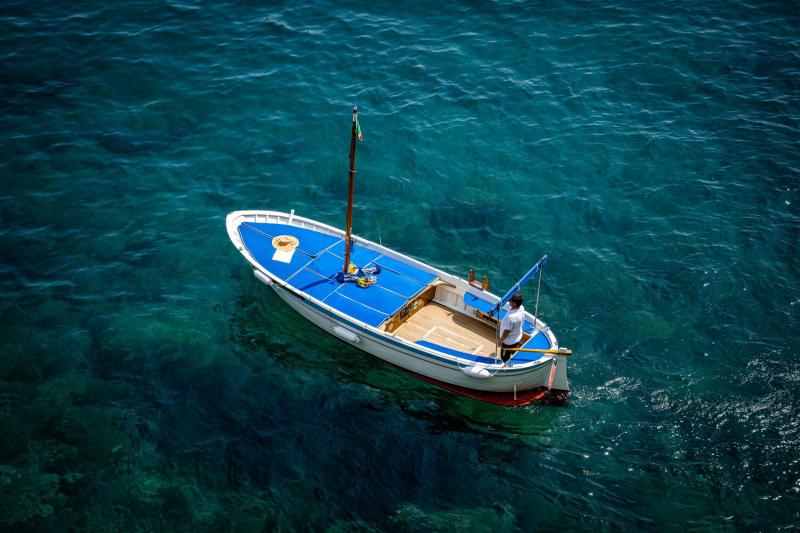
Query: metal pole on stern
349, 226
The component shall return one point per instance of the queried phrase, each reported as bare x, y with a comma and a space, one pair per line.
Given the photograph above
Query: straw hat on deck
285, 243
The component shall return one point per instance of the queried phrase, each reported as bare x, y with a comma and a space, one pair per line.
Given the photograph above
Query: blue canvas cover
320, 257
311, 242
403, 269
259, 244
478, 303
314, 284
356, 310
359, 256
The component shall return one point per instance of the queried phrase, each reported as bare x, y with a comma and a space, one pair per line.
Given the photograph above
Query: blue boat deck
319, 257
317, 260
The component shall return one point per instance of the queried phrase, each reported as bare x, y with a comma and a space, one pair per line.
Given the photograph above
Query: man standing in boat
511, 327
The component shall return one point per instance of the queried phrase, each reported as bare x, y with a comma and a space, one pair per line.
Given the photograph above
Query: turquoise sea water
149, 382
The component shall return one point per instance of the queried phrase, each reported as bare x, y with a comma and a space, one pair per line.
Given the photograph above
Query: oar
560, 351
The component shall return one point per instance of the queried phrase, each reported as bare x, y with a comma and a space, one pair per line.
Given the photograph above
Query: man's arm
504, 335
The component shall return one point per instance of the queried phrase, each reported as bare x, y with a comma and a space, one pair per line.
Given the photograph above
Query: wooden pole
560, 351
351, 187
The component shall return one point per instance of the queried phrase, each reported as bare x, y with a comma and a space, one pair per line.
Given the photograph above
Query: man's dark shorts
506, 355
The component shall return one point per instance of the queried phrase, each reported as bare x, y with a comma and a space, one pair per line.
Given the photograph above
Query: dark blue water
148, 382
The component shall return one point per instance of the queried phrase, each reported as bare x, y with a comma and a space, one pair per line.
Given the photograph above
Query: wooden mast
349, 226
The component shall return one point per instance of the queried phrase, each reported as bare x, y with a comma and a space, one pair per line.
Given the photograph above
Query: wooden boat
431, 324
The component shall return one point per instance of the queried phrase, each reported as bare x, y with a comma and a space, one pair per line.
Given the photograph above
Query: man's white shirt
513, 322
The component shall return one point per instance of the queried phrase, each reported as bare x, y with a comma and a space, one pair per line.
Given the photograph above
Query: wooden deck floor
438, 324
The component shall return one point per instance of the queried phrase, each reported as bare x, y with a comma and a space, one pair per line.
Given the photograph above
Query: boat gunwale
431, 356
233, 222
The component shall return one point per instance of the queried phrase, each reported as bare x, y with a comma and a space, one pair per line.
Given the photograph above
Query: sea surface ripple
148, 382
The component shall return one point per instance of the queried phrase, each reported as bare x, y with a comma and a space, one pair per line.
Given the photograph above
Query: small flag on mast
358, 131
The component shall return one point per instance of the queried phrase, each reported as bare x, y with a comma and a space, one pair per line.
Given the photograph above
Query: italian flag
358, 131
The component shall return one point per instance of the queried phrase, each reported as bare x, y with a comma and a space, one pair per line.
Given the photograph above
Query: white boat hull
408, 360
549, 372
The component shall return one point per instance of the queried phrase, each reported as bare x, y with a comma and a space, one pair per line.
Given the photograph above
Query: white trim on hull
396, 355
391, 348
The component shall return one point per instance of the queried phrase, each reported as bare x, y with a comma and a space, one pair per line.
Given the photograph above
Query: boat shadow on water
302, 349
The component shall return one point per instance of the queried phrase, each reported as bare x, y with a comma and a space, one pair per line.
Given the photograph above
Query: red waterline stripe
498, 398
